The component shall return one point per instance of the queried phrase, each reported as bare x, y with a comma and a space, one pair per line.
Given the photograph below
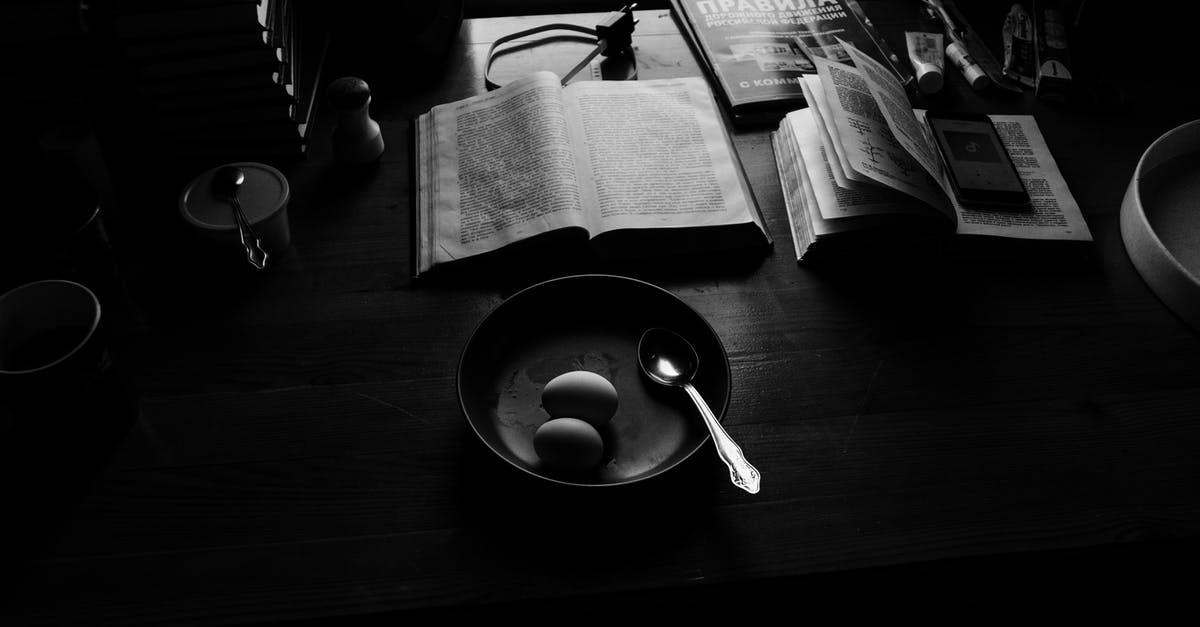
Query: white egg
580, 394
568, 444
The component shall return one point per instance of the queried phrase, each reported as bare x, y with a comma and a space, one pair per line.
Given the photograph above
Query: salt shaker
356, 138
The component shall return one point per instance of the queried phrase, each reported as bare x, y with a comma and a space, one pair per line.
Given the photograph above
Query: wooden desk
935, 436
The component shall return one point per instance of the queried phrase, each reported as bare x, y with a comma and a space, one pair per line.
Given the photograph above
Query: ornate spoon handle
743, 475
250, 240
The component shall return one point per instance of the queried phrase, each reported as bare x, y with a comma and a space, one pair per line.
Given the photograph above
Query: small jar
264, 198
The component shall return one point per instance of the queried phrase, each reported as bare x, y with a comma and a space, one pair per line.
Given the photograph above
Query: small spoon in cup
225, 184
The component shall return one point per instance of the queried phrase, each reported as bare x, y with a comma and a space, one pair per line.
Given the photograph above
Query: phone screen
979, 166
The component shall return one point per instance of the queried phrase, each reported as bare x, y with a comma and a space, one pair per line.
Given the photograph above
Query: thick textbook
859, 167
756, 52
631, 167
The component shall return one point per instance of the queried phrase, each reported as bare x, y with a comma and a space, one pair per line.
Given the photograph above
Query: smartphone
981, 172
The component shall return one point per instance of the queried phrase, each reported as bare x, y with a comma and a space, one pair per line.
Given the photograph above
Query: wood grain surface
937, 432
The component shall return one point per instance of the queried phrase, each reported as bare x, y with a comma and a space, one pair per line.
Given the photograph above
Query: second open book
859, 166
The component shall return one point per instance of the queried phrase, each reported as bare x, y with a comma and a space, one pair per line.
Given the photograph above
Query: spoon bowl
667, 358
226, 182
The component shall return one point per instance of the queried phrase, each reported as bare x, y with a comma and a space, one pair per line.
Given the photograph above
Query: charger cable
614, 37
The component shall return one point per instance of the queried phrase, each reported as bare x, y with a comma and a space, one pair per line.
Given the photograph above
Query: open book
859, 166
636, 167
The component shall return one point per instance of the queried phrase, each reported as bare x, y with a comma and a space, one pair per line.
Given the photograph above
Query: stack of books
221, 79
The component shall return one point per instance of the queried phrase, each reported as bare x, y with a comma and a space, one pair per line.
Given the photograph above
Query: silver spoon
225, 184
669, 359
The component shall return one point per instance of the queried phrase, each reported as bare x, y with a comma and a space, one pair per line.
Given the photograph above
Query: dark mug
64, 410
55, 366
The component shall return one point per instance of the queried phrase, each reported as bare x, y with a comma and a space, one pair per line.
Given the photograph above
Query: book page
833, 200
794, 199
893, 104
798, 177
818, 227
814, 93
871, 147
1055, 213
503, 169
425, 195
851, 198
654, 153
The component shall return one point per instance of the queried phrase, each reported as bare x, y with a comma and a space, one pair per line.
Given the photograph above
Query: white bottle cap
976, 77
929, 78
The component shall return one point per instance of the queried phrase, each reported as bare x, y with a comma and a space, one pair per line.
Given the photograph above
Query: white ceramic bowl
1160, 220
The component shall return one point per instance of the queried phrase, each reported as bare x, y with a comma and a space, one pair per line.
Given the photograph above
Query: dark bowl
589, 322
